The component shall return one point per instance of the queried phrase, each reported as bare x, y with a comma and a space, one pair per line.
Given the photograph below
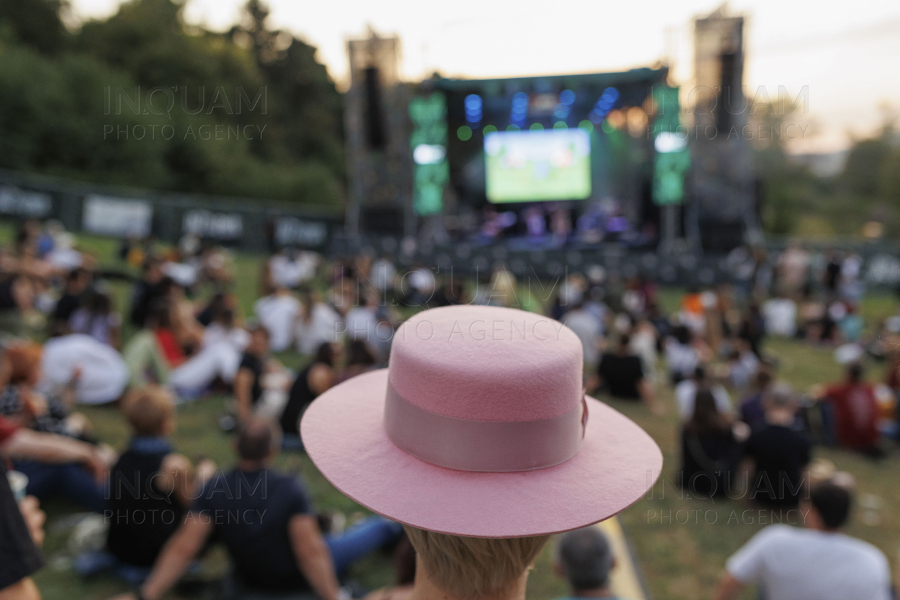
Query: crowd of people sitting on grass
179, 333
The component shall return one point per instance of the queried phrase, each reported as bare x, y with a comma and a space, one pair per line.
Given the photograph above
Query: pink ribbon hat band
480, 427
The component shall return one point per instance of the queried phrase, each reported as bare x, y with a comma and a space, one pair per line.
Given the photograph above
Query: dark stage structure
563, 161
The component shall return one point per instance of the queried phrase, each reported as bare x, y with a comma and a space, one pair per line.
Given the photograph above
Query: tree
36, 23
864, 165
306, 106
786, 186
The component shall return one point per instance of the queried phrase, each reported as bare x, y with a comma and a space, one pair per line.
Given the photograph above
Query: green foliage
51, 119
797, 202
889, 179
142, 99
786, 187
35, 23
864, 166
305, 108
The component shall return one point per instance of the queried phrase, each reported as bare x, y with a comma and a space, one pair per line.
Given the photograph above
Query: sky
842, 56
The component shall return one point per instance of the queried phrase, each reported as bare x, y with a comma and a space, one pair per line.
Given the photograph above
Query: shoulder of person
176, 462
777, 534
870, 552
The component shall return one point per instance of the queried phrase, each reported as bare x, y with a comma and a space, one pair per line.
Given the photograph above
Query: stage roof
536, 82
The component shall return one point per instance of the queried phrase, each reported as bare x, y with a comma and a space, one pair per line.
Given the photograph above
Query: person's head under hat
477, 439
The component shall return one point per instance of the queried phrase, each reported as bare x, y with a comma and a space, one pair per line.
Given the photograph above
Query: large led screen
523, 166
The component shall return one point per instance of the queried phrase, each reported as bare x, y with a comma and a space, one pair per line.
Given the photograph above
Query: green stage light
536, 127
560, 125
512, 127
464, 133
586, 125
489, 129
607, 127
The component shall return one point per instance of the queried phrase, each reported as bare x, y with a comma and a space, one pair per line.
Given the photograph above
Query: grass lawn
681, 544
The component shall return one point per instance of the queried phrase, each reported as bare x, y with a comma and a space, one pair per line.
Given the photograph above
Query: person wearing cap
816, 561
585, 559
479, 439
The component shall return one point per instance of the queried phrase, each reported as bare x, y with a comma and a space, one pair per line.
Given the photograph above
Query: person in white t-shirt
817, 562
780, 316
278, 313
317, 324
290, 269
98, 369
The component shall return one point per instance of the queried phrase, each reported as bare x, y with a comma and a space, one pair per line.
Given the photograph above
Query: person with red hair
22, 405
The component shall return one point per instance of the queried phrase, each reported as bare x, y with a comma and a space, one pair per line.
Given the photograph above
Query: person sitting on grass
585, 559
853, 409
20, 373
78, 281
251, 383
686, 391
275, 546
751, 408
621, 373
710, 448
73, 457
817, 561
278, 313
149, 479
779, 453
21, 533
309, 383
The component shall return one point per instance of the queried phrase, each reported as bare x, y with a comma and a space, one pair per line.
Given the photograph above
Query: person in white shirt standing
817, 562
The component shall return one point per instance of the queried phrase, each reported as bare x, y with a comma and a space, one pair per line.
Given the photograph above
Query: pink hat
480, 427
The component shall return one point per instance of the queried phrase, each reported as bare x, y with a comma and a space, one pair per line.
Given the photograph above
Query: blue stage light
473, 102
566, 97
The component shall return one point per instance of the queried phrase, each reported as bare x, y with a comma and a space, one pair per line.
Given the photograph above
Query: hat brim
343, 435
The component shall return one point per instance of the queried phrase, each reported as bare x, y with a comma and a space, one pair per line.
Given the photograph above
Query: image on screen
523, 166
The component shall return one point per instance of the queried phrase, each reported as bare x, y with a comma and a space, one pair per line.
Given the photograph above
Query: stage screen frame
536, 150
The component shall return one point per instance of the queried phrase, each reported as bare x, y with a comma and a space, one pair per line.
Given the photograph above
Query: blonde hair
468, 567
148, 409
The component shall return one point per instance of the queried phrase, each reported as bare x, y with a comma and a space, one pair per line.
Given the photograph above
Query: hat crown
487, 363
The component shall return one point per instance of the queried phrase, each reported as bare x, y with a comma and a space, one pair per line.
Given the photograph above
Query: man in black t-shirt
265, 521
622, 375
778, 452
